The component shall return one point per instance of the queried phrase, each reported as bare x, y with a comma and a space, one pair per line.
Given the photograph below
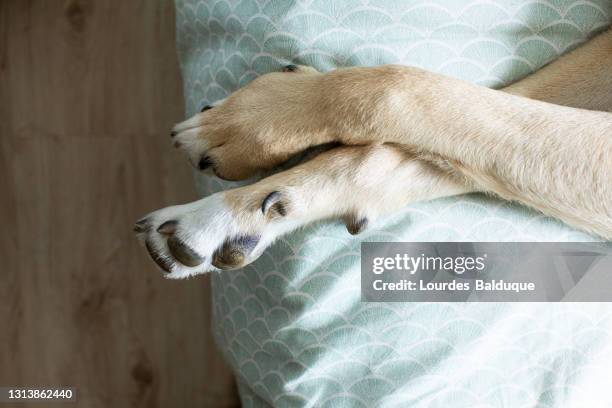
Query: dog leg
581, 79
552, 158
230, 229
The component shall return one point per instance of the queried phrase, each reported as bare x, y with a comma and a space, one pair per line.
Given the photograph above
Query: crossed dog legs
357, 183
230, 229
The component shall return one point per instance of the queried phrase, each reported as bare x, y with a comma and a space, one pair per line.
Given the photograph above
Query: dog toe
163, 262
234, 252
184, 253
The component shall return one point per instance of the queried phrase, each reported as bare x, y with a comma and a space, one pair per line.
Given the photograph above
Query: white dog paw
210, 234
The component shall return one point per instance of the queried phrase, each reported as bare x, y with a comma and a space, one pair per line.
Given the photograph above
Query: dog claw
141, 225
356, 225
273, 202
204, 163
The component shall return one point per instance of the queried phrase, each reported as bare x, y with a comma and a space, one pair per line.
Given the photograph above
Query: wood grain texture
88, 92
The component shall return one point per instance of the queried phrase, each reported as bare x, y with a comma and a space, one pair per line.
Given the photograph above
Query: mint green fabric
292, 325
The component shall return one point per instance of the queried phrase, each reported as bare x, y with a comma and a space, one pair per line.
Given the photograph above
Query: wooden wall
88, 93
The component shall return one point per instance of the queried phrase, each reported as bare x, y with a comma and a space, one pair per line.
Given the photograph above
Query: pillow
292, 325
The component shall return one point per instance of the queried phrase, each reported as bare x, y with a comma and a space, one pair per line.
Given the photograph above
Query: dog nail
173, 133
168, 227
269, 201
184, 253
140, 228
141, 225
356, 225
290, 68
273, 202
205, 108
204, 163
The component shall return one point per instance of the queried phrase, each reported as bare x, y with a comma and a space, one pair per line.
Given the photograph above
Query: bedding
292, 325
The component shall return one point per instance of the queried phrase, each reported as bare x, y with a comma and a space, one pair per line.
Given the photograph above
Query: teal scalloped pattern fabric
292, 325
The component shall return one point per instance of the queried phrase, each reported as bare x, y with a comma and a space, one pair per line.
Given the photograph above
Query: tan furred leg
379, 180
581, 79
553, 158
571, 80
354, 183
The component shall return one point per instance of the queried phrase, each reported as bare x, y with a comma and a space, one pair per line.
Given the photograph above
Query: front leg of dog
231, 229
355, 184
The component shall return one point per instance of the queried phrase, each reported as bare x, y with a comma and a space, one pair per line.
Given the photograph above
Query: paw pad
233, 252
184, 253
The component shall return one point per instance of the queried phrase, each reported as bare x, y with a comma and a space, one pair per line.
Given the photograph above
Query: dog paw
257, 127
219, 232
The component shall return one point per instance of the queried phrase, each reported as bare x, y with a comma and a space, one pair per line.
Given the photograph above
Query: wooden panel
88, 92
